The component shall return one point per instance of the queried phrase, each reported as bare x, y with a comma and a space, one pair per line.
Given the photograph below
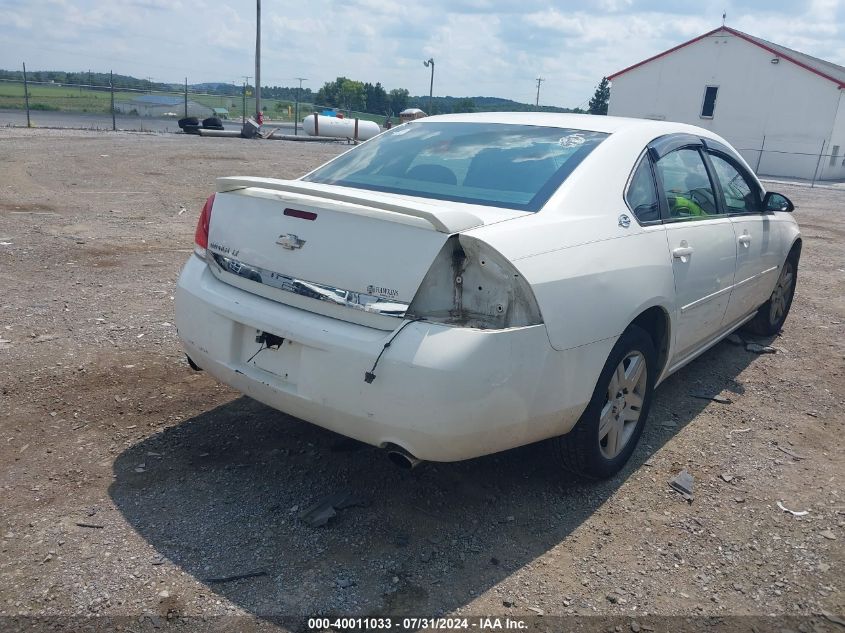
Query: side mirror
777, 202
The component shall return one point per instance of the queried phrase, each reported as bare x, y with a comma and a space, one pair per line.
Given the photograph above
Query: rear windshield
494, 164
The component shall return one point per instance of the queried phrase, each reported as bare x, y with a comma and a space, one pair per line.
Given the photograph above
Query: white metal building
784, 110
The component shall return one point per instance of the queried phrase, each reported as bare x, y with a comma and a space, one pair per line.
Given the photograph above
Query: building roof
220, 110
827, 70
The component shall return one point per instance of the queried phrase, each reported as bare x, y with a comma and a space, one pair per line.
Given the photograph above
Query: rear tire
188, 120
772, 315
610, 427
213, 123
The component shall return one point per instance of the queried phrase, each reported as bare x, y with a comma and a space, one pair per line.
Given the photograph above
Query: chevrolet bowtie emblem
290, 241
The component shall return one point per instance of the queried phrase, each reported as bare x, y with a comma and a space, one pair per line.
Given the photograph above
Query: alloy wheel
782, 293
623, 407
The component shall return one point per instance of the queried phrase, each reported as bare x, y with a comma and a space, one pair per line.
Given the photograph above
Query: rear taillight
472, 285
201, 235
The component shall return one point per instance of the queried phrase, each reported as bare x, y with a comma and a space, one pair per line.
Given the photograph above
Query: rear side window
642, 193
493, 164
740, 194
686, 185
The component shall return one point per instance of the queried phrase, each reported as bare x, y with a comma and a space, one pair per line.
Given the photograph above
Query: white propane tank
333, 127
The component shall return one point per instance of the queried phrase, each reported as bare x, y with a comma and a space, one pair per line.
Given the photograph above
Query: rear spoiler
443, 220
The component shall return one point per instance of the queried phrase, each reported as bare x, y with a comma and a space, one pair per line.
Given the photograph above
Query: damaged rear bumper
441, 393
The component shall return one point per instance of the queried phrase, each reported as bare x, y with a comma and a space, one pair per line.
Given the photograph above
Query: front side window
686, 185
493, 164
739, 193
642, 194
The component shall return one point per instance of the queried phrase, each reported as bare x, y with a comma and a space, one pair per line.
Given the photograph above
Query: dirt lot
133, 486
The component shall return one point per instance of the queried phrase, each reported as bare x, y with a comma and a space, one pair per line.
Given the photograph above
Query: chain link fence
781, 156
106, 107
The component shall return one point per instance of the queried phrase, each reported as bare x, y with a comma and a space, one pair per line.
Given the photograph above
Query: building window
709, 104
834, 155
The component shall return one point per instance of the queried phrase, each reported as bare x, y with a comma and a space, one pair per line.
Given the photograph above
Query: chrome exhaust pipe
402, 458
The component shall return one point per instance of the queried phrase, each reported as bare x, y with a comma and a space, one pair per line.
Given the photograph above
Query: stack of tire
212, 123
189, 125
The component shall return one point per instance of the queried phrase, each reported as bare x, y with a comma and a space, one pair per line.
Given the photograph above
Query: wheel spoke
614, 386
630, 415
606, 420
620, 376
613, 439
634, 400
634, 372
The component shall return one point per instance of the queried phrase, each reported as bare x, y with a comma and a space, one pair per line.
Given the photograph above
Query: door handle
682, 252
744, 239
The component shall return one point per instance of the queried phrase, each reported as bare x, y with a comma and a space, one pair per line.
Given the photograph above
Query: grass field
76, 99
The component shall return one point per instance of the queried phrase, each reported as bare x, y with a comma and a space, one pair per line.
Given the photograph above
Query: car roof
590, 122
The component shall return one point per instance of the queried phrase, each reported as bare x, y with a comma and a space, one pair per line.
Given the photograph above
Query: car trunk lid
351, 254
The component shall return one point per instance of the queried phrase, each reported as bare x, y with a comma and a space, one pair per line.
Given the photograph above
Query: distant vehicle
465, 284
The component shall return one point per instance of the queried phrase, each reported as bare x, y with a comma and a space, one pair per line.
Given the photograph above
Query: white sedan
465, 284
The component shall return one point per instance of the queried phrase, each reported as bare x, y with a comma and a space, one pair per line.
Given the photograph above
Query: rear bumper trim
322, 292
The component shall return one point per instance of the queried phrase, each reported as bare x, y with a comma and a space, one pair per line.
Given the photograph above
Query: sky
480, 47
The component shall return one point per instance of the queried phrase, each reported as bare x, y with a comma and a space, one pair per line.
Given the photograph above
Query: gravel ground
132, 486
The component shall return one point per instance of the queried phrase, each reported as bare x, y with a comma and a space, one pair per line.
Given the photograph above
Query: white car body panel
367, 245
445, 392
704, 279
758, 259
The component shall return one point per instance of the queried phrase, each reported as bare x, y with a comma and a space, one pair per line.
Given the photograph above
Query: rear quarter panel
593, 291
591, 276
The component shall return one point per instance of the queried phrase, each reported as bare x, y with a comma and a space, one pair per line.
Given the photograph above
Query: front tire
610, 427
772, 315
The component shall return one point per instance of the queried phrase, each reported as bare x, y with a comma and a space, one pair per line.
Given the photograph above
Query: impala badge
290, 241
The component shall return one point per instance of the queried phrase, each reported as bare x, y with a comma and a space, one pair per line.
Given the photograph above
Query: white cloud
481, 47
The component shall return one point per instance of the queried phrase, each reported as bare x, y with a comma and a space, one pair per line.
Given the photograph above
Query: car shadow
220, 496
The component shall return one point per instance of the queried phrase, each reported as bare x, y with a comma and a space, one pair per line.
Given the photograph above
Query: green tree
352, 95
398, 99
598, 104
376, 97
343, 93
464, 105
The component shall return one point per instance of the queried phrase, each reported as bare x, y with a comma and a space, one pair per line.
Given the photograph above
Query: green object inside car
681, 206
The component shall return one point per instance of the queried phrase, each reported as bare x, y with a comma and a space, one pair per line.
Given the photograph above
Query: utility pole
149, 85
243, 109
111, 88
257, 60
26, 96
427, 63
296, 110
186, 96
539, 81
